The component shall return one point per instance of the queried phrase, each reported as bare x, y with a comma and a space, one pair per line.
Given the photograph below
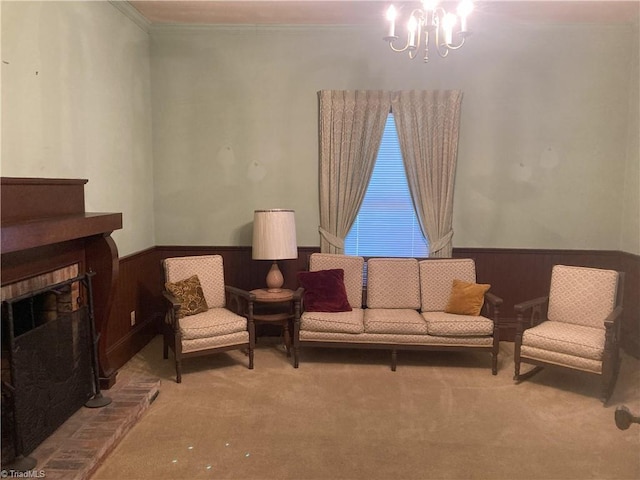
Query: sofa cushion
397, 339
198, 344
210, 272
393, 283
567, 338
338, 322
353, 267
466, 298
190, 295
213, 322
453, 325
580, 363
397, 320
581, 295
436, 278
324, 291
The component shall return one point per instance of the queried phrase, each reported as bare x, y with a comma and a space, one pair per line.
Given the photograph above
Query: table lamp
274, 238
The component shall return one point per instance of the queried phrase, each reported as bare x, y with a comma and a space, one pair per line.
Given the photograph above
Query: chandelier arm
408, 45
443, 49
442, 53
456, 47
400, 50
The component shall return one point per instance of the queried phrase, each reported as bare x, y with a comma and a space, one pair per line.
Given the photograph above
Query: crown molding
132, 14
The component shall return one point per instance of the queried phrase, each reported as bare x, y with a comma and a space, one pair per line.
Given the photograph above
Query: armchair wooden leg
178, 371
394, 360
516, 351
608, 385
296, 352
610, 369
495, 349
250, 358
523, 376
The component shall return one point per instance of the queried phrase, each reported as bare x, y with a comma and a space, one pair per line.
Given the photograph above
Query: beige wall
544, 138
76, 104
549, 138
630, 231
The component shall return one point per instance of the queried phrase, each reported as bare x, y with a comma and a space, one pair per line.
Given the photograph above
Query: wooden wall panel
630, 264
515, 275
138, 289
240, 270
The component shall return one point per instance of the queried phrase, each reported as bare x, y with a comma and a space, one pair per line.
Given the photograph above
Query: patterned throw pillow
190, 295
466, 298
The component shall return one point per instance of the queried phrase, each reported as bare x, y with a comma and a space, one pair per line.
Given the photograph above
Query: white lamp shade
274, 235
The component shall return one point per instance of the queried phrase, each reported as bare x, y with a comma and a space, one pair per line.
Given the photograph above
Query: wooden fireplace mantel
44, 226
46, 231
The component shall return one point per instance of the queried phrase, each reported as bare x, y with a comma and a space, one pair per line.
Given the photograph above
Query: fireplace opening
47, 361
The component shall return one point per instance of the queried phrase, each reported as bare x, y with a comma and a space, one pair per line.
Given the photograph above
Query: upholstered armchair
204, 315
577, 326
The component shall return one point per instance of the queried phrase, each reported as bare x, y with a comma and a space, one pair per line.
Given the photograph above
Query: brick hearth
76, 449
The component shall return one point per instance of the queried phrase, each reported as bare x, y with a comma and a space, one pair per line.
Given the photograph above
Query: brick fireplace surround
48, 237
45, 228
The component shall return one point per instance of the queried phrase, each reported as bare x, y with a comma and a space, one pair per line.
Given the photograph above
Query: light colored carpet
345, 415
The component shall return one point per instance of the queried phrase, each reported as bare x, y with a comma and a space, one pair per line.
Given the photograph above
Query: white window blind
387, 225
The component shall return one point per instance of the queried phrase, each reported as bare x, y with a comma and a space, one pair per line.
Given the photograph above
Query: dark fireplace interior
47, 369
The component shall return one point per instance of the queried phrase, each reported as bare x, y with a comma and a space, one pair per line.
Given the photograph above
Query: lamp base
275, 280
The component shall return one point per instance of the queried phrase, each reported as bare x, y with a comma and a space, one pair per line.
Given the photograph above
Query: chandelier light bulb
429, 5
412, 27
413, 24
391, 16
448, 23
392, 13
465, 7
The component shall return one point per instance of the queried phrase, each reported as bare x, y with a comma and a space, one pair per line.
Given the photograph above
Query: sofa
404, 304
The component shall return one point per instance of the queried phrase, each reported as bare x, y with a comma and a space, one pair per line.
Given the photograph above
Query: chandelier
432, 20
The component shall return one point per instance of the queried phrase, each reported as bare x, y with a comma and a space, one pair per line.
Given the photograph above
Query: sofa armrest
612, 325
493, 299
298, 305
491, 306
171, 319
612, 318
240, 301
535, 307
298, 308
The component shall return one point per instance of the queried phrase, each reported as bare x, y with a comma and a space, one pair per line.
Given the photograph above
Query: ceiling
371, 12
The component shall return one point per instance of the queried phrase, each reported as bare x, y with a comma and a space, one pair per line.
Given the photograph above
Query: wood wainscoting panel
240, 270
138, 290
630, 264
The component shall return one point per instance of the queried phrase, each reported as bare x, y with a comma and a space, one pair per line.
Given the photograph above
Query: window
386, 225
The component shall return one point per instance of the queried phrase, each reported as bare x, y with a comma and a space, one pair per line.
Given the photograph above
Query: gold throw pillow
466, 298
190, 295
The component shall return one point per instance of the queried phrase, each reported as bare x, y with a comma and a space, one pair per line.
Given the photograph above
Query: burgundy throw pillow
324, 291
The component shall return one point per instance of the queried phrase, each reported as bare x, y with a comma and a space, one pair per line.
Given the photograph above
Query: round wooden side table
275, 308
